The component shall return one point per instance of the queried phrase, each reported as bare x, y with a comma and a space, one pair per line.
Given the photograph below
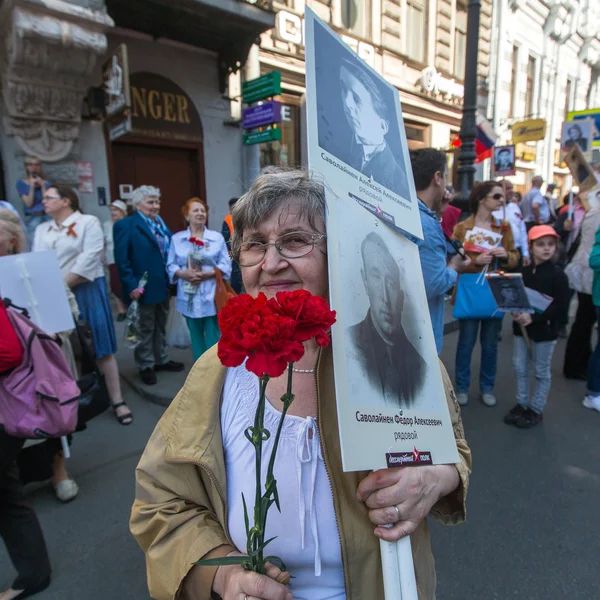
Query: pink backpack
39, 398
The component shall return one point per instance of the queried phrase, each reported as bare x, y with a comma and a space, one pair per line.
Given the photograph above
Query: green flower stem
287, 400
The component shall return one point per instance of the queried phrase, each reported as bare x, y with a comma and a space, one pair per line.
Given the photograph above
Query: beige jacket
180, 511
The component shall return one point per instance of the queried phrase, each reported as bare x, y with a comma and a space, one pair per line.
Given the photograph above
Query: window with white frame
529, 88
416, 29
514, 70
460, 42
356, 17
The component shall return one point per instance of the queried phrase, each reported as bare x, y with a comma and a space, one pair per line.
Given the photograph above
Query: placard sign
392, 407
356, 136
34, 281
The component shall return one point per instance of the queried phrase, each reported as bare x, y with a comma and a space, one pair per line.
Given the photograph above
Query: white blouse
78, 243
307, 540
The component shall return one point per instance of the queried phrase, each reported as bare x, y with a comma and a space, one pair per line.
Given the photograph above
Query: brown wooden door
173, 170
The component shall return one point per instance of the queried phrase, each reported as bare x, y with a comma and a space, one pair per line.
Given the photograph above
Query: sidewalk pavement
168, 383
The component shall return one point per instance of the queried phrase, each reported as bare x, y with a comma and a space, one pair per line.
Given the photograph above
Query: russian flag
485, 140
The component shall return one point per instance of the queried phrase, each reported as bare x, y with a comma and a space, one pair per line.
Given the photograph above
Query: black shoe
580, 376
28, 592
170, 366
529, 419
148, 376
514, 414
121, 317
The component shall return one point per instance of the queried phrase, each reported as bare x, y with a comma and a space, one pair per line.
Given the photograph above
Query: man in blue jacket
439, 275
141, 246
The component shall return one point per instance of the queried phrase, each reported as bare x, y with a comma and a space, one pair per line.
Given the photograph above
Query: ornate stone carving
46, 64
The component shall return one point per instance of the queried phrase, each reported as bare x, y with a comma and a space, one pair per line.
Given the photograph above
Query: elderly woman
141, 246
78, 242
118, 211
188, 503
195, 255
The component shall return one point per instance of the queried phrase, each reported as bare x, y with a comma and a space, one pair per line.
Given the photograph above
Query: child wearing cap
544, 276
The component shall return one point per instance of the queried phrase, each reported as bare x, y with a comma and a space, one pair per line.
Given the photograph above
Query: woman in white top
78, 242
118, 211
196, 282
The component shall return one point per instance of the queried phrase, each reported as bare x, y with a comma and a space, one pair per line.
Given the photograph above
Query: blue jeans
32, 221
594, 367
467, 337
541, 355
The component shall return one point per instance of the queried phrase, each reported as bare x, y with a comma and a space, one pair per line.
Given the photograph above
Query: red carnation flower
312, 314
251, 329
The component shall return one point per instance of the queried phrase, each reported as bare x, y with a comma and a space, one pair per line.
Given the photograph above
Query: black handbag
94, 399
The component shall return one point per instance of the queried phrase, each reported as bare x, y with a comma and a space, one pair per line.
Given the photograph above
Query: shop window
416, 29
356, 17
514, 69
285, 153
530, 86
417, 135
460, 42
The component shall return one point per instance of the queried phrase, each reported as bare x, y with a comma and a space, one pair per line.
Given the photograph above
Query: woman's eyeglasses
290, 245
498, 196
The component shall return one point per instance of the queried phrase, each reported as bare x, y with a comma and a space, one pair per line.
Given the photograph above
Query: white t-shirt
307, 540
78, 244
517, 224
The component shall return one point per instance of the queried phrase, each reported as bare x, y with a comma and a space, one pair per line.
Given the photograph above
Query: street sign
262, 87
531, 130
119, 128
259, 137
263, 114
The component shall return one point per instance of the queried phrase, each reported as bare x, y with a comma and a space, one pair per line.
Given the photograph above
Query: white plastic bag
178, 334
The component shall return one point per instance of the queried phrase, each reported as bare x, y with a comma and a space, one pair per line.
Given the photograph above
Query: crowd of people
98, 261
138, 260
554, 248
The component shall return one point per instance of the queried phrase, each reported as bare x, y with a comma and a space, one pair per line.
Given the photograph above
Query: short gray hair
272, 191
139, 194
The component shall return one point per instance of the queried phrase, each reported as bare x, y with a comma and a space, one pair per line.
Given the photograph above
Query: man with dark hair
369, 120
227, 231
387, 357
439, 275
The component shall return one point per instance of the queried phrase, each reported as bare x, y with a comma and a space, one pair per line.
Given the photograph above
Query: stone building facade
546, 62
417, 45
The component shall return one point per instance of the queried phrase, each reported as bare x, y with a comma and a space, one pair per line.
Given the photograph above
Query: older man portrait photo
357, 117
379, 344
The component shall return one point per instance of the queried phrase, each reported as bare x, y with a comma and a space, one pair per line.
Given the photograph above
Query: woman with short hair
78, 242
198, 461
195, 255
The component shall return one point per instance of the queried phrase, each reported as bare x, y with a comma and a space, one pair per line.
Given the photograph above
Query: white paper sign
34, 281
538, 301
356, 137
392, 407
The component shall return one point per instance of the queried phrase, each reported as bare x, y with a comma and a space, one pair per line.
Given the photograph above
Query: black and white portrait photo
577, 132
385, 354
509, 293
504, 161
357, 115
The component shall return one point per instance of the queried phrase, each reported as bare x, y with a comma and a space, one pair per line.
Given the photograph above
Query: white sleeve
87, 263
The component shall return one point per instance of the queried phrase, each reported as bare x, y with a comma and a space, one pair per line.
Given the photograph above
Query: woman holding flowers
195, 255
198, 462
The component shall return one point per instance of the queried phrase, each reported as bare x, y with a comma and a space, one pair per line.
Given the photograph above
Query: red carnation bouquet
268, 334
